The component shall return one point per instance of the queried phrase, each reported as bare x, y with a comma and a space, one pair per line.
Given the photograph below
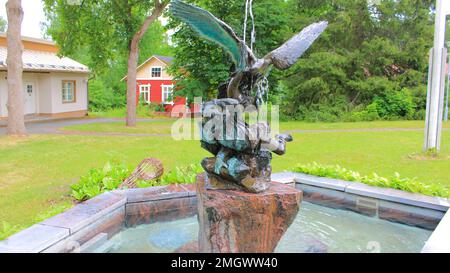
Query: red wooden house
155, 85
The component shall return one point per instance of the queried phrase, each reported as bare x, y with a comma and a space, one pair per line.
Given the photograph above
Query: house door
29, 98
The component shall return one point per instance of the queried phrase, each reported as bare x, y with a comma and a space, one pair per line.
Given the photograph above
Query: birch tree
16, 124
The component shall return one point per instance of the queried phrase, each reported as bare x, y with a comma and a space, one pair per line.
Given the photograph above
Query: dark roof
164, 58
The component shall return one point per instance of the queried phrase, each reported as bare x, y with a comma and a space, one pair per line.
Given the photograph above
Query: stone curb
393, 195
33, 239
87, 212
439, 241
52, 231
48, 233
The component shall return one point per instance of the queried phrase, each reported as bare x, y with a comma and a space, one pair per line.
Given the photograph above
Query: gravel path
54, 126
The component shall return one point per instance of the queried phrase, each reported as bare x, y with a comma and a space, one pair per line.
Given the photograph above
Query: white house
52, 86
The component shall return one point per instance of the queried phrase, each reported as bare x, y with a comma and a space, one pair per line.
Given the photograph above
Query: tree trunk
16, 124
131, 86
133, 59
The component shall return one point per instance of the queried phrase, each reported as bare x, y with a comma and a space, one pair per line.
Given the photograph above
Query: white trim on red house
151, 72
149, 99
145, 62
171, 93
150, 79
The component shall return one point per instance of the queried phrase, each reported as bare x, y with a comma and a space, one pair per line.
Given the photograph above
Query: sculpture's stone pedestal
238, 222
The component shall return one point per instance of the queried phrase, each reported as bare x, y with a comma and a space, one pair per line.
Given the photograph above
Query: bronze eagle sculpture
242, 152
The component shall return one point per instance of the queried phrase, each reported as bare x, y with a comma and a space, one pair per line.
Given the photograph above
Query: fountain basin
95, 225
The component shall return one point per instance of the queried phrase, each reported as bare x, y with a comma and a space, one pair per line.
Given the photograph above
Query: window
68, 91
145, 93
156, 72
29, 89
167, 91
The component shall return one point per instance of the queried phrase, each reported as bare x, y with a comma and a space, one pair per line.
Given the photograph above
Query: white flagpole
435, 96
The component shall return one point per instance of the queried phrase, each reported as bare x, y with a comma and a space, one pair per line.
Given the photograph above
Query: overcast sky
33, 16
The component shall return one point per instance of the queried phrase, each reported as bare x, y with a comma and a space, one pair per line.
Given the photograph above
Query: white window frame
145, 91
64, 99
165, 100
151, 72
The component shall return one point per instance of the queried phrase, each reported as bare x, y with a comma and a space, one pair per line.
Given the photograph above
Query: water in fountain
262, 91
262, 85
249, 10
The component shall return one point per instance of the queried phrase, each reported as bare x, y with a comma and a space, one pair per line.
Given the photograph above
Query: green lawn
36, 172
150, 127
164, 126
121, 112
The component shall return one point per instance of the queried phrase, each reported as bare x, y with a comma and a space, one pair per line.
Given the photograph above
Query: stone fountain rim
42, 236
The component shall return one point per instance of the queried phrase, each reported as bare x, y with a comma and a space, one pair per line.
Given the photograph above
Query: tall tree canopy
106, 30
370, 63
200, 66
372, 60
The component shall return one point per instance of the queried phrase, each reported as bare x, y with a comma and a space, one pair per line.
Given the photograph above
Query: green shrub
158, 107
142, 111
100, 180
102, 98
395, 105
370, 113
395, 181
180, 175
110, 177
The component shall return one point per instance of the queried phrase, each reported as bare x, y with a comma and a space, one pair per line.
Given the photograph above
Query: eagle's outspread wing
211, 28
288, 54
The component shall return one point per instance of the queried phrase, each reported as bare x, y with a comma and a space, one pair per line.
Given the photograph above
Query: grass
408, 124
150, 127
164, 126
395, 181
141, 112
36, 172
7, 229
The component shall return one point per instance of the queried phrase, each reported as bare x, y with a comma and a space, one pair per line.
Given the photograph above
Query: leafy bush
142, 111
100, 180
395, 181
370, 113
158, 107
102, 98
180, 175
110, 177
395, 105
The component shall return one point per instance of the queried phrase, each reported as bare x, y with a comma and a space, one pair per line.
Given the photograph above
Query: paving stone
283, 177
399, 196
154, 193
87, 212
322, 182
33, 239
439, 241
109, 224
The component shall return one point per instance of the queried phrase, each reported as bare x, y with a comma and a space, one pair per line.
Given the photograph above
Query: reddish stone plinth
233, 221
